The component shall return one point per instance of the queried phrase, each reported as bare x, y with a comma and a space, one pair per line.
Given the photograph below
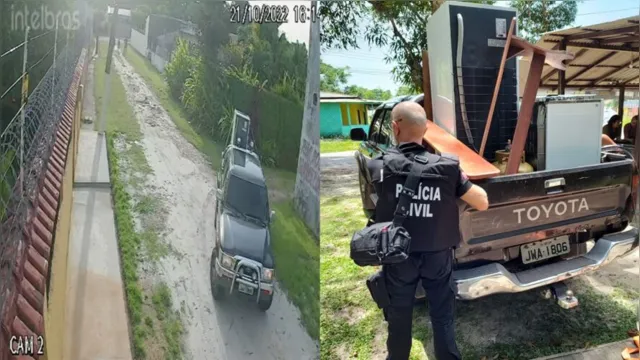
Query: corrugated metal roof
350, 101
332, 95
606, 54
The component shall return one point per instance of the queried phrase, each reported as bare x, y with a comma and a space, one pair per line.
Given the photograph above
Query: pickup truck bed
579, 219
581, 204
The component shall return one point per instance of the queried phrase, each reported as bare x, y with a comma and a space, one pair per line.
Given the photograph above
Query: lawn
338, 145
295, 249
516, 326
143, 314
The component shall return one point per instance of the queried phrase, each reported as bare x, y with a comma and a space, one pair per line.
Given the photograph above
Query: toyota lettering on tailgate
554, 209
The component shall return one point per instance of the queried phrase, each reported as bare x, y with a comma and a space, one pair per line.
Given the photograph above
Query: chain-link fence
27, 138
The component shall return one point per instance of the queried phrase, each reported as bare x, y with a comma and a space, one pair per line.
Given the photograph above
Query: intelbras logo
424, 193
43, 19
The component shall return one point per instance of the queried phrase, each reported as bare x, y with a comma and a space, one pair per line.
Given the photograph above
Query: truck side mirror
272, 216
218, 194
357, 134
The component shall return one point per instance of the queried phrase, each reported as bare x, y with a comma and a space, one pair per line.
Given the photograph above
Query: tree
368, 94
540, 16
406, 90
402, 26
333, 79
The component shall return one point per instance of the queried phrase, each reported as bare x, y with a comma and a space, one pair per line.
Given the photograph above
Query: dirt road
225, 330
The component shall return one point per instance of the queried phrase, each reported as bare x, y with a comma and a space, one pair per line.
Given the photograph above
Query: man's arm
472, 194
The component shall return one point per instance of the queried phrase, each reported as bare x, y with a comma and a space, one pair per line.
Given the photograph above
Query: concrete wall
139, 41
158, 62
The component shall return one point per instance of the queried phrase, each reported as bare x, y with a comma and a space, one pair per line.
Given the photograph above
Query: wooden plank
474, 165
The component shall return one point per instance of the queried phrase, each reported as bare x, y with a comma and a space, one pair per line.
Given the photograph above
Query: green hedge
277, 121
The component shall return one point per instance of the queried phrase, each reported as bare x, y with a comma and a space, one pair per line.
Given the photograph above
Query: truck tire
216, 290
265, 303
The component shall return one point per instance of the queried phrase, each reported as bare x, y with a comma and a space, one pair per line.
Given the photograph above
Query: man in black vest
433, 226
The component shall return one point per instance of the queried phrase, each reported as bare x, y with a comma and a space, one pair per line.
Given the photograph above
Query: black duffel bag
388, 242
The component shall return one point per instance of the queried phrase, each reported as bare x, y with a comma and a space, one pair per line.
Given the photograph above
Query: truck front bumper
494, 278
230, 279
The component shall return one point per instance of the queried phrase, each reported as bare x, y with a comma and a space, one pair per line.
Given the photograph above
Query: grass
159, 86
296, 258
338, 145
127, 170
294, 247
508, 326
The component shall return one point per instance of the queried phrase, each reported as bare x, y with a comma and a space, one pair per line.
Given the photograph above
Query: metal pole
53, 73
107, 70
25, 95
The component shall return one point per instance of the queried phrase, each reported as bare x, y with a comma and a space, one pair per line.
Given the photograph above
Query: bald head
409, 122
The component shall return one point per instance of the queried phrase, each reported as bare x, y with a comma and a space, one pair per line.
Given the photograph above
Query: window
386, 129
345, 115
381, 128
248, 199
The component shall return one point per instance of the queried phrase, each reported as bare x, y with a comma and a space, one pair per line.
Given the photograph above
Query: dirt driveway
508, 326
185, 182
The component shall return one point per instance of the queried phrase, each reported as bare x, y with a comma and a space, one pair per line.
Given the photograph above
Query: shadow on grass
505, 326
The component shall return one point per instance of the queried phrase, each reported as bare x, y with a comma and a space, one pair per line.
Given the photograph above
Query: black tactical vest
433, 220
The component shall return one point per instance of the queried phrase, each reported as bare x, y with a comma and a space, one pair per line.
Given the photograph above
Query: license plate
245, 289
543, 250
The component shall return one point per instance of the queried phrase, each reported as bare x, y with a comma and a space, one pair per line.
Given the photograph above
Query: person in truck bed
630, 129
433, 225
613, 127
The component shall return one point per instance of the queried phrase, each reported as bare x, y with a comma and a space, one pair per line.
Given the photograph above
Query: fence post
55, 55
25, 95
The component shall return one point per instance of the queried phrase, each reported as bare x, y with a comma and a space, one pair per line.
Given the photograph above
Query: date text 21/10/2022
272, 14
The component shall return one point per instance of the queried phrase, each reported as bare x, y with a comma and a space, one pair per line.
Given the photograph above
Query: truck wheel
265, 303
216, 290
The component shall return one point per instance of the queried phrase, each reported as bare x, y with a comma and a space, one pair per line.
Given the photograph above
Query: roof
246, 166
332, 95
123, 12
603, 54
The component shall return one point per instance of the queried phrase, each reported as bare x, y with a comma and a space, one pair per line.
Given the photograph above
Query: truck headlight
226, 261
267, 274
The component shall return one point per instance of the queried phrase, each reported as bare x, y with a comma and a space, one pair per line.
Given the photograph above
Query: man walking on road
433, 225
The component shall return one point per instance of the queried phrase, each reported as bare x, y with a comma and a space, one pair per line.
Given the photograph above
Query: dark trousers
435, 271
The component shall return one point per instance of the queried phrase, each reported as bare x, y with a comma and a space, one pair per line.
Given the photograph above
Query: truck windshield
247, 198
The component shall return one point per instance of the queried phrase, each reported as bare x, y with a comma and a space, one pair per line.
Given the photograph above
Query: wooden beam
587, 86
524, 115
609, 73
625, 39
426, 86
622, 30
621, 102
624, 48
597, 62
562, 74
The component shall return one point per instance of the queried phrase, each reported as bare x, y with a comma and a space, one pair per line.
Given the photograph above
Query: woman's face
616, 124
634, 121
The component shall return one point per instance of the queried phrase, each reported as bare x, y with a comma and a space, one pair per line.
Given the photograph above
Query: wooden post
526, 110
562, 74
620, 103
426, 86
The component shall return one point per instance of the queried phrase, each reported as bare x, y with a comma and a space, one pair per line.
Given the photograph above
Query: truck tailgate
540, 205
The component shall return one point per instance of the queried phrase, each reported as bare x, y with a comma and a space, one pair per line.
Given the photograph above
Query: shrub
183, 61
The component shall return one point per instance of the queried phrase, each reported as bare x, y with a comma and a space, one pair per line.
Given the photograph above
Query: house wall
330, 119
139, 41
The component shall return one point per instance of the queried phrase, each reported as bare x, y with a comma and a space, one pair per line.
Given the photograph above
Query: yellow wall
358, 114
56, 303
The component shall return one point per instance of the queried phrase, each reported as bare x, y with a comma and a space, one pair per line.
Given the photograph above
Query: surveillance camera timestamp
270, 14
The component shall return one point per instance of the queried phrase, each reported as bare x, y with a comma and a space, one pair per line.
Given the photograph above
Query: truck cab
242, 262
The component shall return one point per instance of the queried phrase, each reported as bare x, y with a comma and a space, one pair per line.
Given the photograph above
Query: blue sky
369, 70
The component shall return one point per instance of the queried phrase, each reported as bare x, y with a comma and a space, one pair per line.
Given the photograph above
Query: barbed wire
26, 145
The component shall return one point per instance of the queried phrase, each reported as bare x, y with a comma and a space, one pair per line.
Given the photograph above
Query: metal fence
27, 140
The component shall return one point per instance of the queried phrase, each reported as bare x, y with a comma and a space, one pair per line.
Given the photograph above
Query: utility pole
107, 70
307, 190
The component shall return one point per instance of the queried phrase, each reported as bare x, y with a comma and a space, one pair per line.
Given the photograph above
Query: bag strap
409, 189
